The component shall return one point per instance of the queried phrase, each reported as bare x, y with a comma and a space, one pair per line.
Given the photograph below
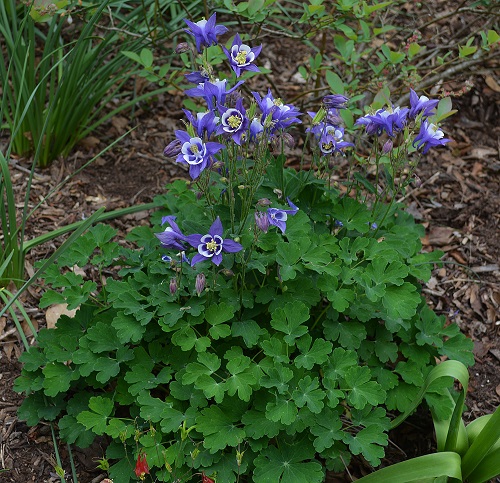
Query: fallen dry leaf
475, 300
27, 329
492, 83
439, 236
89, 142
55, 311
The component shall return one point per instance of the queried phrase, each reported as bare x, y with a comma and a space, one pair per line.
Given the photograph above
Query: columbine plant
269, 326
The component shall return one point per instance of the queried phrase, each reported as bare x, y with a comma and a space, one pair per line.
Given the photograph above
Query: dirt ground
458, 202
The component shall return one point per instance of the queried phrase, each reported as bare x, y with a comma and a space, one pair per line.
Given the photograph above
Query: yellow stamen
194, 149
212, 246
278, 102
234, 121
241, 58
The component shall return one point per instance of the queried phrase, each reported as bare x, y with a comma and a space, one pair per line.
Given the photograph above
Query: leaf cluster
299, 347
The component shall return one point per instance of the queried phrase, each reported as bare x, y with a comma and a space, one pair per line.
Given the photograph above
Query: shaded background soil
458, 202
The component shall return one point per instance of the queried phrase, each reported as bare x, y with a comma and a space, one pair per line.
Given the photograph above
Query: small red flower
141, 467
206, 479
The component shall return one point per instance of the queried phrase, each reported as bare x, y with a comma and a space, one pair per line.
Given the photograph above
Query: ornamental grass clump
271, 324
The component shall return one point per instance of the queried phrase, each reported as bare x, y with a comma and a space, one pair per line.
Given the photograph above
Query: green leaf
106, 368
218, 313
487, 438
308, 393
334, 82
289, 320
459, 348
328, 429
277, 376
353, 215
254, 6
257, 425
369, 441
58, 378
72, 431
288, 464
96, 419
350, 333
315, 354
249, 330
128, 328
211, 387
146, 58
363, 390
401, 302
282, 409
152, 408
422, 468
218, 429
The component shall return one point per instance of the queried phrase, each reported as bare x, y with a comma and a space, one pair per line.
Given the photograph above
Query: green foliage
239, 366
52, 102
465, 453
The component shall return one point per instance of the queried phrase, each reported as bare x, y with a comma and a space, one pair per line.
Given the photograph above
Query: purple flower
430, 135
205, 32
280, 115
262, 221
200, 283
172, 149
204, 122
390, 120
278, 217
255, 128
173, 286
182, 258
331, 140
196, 153
171, 237
198, 77
387, 147
421, 104
241, 56
234, 121
335, 101
211, 245
214, 93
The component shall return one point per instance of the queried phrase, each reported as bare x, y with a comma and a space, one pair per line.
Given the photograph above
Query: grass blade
419, 469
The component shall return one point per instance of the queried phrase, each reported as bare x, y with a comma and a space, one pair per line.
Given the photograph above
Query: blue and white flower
241, 56
212, 245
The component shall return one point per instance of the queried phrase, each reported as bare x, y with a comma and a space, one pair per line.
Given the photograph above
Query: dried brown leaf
55, 311
492, 83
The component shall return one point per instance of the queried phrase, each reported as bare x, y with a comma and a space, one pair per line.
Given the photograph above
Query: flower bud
264, 202
335, 101
200, 283
319, 116
172, 149
387, 147
232, 98
333, 117
284, 139
182, 47
261, 221
173, 286
289, 140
